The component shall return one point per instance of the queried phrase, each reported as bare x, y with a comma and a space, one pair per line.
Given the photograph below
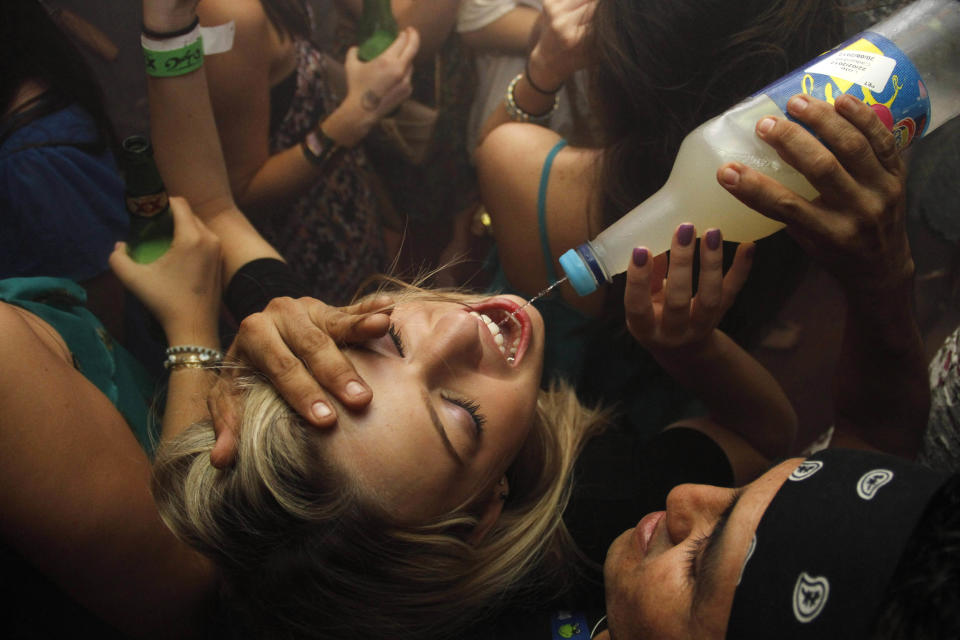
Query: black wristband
166, 35
258, 282
526, 72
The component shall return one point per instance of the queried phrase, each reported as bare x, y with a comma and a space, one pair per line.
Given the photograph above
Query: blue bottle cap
577, 271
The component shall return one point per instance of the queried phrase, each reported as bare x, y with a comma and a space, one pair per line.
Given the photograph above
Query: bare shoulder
26, 339
510, 168
509, 162
515, 141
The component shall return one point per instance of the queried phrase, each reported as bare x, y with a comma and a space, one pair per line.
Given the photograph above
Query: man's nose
694, 506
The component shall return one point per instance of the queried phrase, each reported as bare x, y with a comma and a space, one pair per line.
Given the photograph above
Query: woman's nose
694, 506
453, 341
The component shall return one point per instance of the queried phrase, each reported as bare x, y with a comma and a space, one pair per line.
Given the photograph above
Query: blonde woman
421, 507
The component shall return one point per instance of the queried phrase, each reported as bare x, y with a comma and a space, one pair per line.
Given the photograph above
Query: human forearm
555, 56
882, 394
190, 158
433, 20
188, 387
288, 174
738, 392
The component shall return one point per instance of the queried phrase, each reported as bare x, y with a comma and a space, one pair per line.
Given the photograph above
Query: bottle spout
582, 269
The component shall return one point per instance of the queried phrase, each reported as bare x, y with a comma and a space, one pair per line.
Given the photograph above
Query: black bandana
827, 546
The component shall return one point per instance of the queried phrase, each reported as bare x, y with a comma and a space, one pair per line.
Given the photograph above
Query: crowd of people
273, 431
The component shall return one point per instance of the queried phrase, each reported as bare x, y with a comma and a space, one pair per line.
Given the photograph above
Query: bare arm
240, 82
856, 230
556, 54
75, 494
679, 330
187, 148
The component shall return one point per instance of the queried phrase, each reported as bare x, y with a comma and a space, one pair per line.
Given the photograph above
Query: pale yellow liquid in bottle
692, 193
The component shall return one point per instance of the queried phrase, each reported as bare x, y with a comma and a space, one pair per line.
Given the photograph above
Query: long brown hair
662, 67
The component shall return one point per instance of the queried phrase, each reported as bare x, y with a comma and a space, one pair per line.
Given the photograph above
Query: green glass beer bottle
378, 29
151, 222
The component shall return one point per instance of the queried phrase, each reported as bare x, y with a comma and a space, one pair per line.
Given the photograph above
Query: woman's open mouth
509, 328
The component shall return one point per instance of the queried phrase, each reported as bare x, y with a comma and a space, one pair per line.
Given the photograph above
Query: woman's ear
490, 511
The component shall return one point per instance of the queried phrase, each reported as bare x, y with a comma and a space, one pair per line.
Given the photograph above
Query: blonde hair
304, 554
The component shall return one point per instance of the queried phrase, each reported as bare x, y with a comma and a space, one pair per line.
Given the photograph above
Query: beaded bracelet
318, 147
519, 115
175, 56
191, 356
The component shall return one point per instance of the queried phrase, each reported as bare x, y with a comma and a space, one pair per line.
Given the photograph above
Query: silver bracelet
519, 115
191, 356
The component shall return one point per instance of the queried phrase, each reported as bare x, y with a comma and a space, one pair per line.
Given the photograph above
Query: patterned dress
331, 234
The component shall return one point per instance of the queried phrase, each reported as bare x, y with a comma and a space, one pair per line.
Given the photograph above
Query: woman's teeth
498, 336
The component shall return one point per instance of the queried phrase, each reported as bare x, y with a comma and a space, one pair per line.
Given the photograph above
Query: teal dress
598, 357
102, 361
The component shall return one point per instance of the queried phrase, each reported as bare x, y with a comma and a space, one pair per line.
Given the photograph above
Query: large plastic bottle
906, 67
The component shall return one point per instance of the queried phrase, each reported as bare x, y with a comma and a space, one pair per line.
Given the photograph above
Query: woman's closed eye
394, 334
470, 406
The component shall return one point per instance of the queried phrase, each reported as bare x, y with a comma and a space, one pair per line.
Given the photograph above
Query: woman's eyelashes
471, 407
394, 334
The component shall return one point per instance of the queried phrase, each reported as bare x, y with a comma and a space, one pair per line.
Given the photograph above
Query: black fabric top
618, 479
281, 97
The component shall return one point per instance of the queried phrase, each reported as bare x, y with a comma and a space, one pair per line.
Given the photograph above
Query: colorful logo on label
149, 205
868, 67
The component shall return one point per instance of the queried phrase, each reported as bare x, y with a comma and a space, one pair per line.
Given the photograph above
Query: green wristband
178, 62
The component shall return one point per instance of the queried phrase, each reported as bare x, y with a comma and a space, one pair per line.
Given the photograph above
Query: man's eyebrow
710, 556
435, 419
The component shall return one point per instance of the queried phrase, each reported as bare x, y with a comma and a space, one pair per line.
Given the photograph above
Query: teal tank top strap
542, 211
105, 363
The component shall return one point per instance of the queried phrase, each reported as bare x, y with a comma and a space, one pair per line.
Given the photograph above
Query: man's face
673, 576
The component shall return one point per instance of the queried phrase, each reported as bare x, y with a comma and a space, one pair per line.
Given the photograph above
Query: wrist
547, 74
349, 123
168, 21
200, 333
536, 85
691, 354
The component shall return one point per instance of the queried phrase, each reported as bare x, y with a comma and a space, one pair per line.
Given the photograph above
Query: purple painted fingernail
640, 255
685, 234
713, 239
752, 249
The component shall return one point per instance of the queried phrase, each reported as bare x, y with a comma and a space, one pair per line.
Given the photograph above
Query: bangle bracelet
173, 56
165, 35
519, 115
191, 356
526, 72
318, 147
